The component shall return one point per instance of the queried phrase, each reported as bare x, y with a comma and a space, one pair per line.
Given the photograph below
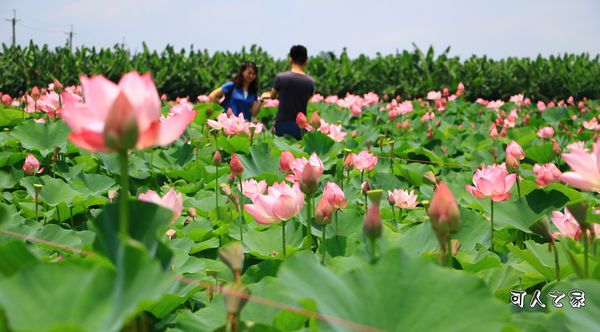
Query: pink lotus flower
302, 122
518, 99
307, 172
251, 188
284, 162
6, 100
585, 171
364, 160
203, 99
570, 100
546, 132
334, 195
402, 199
444, 212
566, 224
121, 117
333, 131
493, 131
236, 165
514, 153
232, 125
32, 165
434, 95
331, 99
323, 212
492, 181
576, 146
546, 174
541, 106
281, 203
460, 89
370, 98
172, 200
494, 105
316, 98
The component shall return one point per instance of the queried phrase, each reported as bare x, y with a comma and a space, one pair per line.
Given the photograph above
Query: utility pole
123, 44
14, 23
70, 33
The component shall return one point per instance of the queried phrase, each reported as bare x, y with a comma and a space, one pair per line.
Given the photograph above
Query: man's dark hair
299, 54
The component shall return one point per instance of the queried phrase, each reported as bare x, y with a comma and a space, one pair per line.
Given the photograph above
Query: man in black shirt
293, 88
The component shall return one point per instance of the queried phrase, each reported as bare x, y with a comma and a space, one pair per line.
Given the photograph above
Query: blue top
238, 102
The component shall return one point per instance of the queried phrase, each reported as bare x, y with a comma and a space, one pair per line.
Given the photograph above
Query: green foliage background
409, 74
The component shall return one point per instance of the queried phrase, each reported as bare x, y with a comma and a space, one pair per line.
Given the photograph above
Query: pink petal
89, 140
172, 127
578, 181
261, 216
99, 93
582, 163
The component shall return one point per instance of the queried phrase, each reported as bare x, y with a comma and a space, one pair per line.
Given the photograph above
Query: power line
40, 29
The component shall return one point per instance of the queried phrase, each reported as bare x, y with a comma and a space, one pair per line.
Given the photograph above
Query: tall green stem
283, 237
217, 190
362, 174
337, 230
492, 226
242, 221
585, 253
124, 196
518, 185
309, 222
449, 251
556, 265
394, 214
372, 249
323, 244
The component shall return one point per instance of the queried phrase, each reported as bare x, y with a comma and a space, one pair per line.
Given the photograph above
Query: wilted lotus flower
121, 117
233, 255
112, 195
171, 234
32, 165
172, 201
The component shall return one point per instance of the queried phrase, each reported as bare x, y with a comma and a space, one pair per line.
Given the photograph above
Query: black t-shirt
294, 92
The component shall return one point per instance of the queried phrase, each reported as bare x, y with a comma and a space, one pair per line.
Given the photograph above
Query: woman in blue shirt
241, 94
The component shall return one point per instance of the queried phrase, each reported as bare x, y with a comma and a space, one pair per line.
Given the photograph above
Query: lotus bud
6, 100
231, 178
217, 158
301, 120
35, 93
284, 162
236, 166
365, 187
315, 120
348, 162
429, 176
373, 227
58, 87
323, 212
444, 212
579, 212
192, 213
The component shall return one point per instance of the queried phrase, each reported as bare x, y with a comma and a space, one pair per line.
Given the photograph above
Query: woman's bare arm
216, 95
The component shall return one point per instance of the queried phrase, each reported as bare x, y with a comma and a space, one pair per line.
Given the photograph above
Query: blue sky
495, 28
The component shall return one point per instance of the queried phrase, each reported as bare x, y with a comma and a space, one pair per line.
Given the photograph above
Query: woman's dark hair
299, 54
238, 79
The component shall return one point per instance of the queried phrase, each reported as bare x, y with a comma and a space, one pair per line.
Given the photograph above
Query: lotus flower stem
242, 221
283, 238
518, 185
492, 225
362, 173
556, 265
585, 253
323, 244
71, 213
309, 221
449, 251
124, 196
394, 214
372, 249
217, 190
337, 231
400, 216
